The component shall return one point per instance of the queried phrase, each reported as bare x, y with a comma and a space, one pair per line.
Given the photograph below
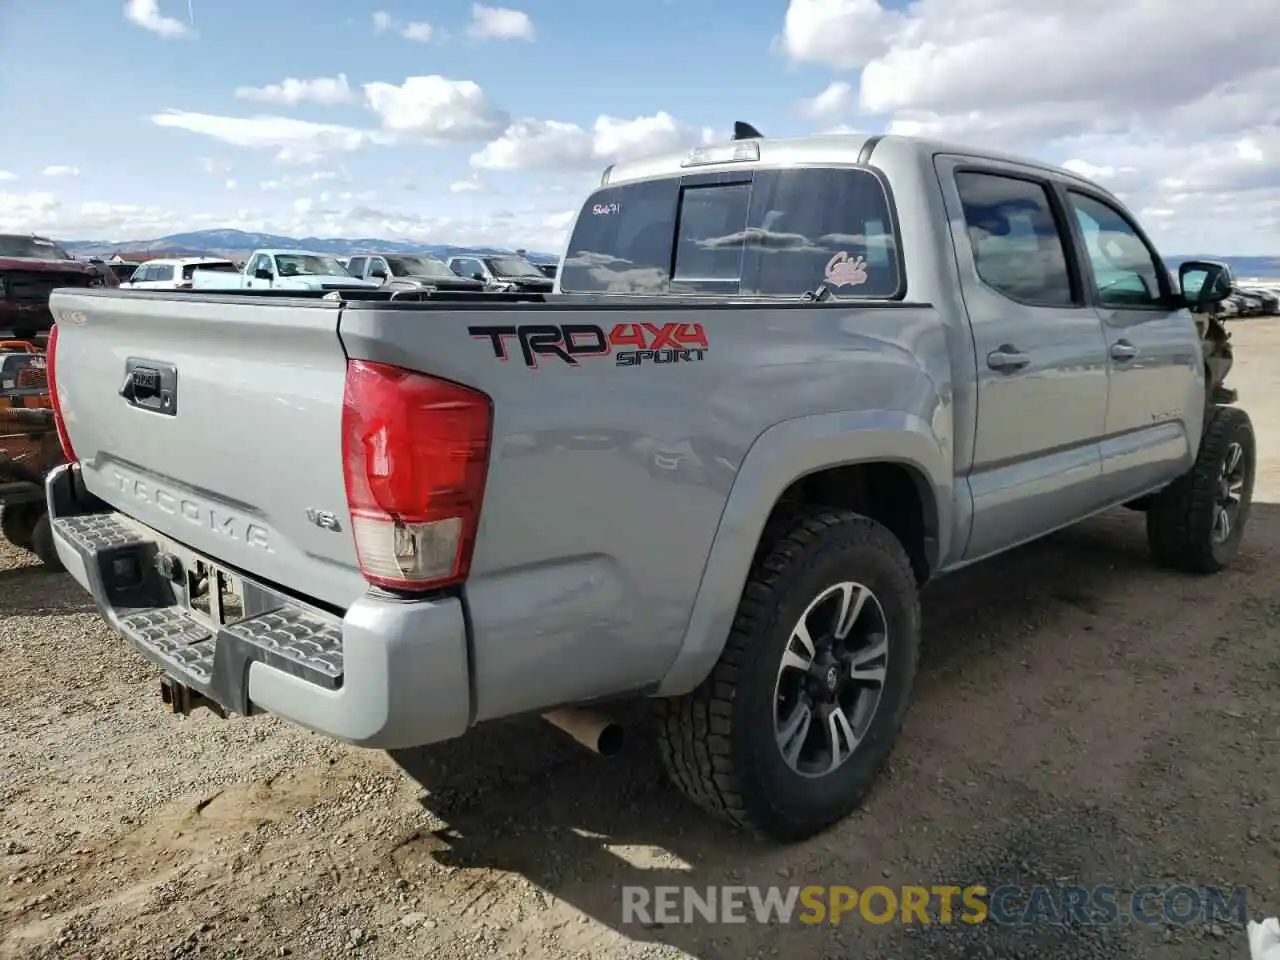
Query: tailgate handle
151, 385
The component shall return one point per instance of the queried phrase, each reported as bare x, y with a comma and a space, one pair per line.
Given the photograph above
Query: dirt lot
1079, 718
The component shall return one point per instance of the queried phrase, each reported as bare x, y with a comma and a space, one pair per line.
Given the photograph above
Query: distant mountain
227, 242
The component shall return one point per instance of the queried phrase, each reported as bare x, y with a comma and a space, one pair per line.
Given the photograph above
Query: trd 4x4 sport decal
630, 344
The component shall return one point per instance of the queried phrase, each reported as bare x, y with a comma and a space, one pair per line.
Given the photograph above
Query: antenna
745, 131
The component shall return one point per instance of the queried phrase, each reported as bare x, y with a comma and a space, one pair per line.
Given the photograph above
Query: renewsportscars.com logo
630, 344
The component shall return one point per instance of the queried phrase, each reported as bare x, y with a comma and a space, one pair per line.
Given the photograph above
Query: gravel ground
1080, 718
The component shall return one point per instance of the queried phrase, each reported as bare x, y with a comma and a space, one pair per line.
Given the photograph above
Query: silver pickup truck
781, 385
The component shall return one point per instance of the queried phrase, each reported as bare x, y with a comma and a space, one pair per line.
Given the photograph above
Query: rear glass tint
774, 232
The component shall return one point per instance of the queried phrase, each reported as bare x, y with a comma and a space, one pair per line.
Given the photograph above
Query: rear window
769, 233
219, 266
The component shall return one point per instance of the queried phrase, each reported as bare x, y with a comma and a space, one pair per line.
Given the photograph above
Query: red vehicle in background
31, 267
29, 449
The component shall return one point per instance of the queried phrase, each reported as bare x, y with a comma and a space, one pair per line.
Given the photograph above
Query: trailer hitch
182, 700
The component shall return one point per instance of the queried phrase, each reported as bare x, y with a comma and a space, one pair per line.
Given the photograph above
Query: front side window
162, 272
766, 233
1018, 249
1126, 272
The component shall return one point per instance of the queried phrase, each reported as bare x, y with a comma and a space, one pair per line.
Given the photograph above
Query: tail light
64, 438
415, 450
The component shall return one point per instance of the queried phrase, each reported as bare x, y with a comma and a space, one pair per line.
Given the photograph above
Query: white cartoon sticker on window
845, 271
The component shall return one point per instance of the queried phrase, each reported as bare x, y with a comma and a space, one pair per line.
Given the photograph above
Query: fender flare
781, 455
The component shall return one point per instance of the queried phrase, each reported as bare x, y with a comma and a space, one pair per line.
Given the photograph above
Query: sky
460, 122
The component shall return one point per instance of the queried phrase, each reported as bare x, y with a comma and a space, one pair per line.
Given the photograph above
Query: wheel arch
847, 456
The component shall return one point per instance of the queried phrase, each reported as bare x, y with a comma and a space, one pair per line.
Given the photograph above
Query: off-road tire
42, 545
1181, 516
18, 523
718, 742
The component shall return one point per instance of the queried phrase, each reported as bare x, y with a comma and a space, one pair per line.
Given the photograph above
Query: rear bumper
389, 673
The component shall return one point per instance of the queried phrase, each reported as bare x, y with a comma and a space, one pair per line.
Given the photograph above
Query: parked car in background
409, 272
282, 270
30, 267
1256, 302
502, 272
175, 274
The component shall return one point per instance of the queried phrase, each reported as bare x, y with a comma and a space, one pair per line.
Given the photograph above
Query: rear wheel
42, 545
18, 523
1197, 522
790, 728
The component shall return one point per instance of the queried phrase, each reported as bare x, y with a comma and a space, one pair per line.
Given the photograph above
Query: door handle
1007, 359
1123, 350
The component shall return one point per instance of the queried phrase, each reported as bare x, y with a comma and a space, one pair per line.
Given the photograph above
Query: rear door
1041, 354
1154, 350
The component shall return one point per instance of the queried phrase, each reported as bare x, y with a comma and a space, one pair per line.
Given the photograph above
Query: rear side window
1018, 249
770, 232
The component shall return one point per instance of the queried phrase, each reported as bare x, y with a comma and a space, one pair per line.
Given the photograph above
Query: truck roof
840, 148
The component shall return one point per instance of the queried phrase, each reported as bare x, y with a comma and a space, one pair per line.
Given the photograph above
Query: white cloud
60, 170
213, 167
836, 100
6, 175
296, 141
1176, 114
472, 184
838, 33
418, 31
146, 14
553, 144
1091, 171
499, 23
328, 91
435, 108
302, 181
231, 185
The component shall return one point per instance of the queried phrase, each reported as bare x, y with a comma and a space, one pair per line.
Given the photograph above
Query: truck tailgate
246, 455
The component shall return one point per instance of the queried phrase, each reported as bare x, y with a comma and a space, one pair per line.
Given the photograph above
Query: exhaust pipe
595, 731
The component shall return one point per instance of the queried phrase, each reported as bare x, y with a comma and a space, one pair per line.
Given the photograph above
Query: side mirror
478, 276
378, 273
262, 273
1205, 283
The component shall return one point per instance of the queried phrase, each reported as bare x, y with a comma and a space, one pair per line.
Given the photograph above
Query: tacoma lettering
193, 511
